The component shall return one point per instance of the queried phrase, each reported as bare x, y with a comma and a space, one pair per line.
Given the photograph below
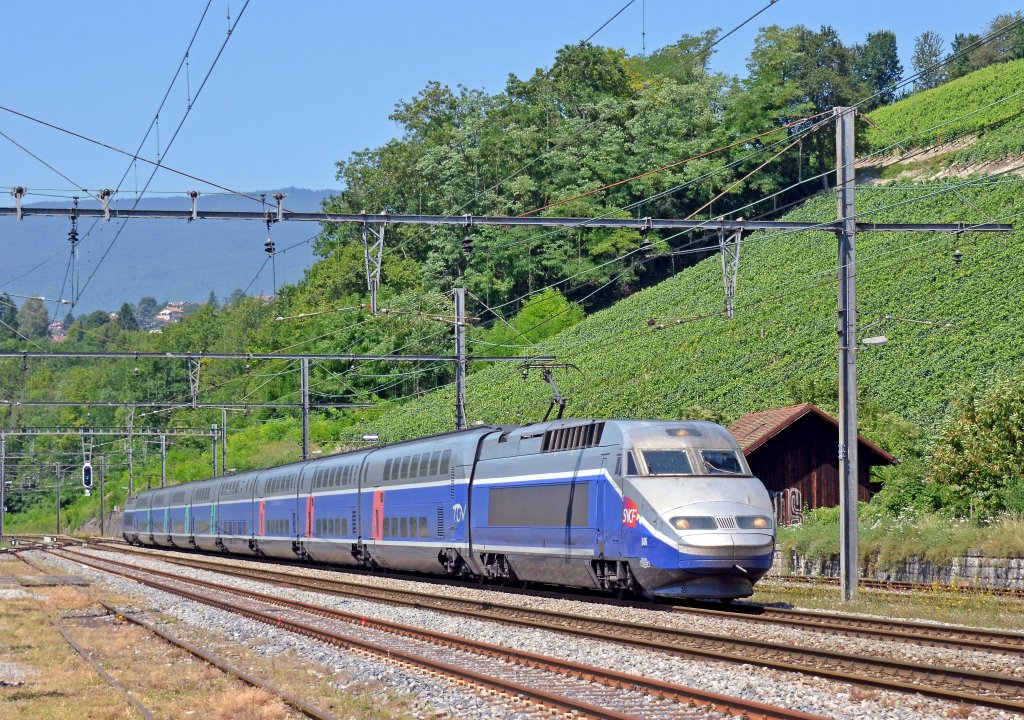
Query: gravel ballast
813, 695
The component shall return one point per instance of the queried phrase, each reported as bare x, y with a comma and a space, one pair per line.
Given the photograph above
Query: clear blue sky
303, 84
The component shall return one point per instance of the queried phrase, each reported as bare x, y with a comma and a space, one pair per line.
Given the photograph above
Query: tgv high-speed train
662, 508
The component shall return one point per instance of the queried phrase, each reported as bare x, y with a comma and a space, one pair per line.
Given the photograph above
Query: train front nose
724, 548
745, 551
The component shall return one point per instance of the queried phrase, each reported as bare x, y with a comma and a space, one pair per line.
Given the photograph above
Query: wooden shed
794, 450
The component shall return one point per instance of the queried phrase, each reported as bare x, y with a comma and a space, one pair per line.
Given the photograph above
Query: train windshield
722, 462
668, 462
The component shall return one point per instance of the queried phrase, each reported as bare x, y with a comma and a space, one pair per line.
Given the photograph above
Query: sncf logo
630, 513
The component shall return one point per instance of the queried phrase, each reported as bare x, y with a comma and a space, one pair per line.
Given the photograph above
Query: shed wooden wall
804, 456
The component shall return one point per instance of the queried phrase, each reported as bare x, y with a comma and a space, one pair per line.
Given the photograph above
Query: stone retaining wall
972, 568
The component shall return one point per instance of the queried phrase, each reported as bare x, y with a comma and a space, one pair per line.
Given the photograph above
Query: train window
435, 458
424, 464
722, 462
387, 470
404, 474
446, 461
668, 462
414, 468
631, 464
344, 526
423, 527
405, 528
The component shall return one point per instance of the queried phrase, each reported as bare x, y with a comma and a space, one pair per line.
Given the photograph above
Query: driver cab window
631, 464
668, 462
722, 462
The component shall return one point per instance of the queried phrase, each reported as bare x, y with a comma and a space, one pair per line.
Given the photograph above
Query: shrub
978, 451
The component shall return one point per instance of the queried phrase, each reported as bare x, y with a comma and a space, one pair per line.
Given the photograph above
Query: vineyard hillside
948, 325
970, 121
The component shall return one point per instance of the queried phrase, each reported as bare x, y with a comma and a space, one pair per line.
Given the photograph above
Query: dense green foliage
978, 454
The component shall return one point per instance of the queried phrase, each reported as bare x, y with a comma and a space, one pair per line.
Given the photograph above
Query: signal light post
87, 478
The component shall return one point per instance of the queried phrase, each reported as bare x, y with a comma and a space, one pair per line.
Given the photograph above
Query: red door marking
309, 516
377, 517
263, 518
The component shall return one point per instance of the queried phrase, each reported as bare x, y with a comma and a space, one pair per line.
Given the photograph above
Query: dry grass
248, 704
962, 607
168, 681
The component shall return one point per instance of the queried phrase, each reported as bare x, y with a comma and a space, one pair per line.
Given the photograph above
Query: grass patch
886, 542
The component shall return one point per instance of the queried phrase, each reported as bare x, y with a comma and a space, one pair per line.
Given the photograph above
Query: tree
126, 318
544, 315
8, 317
212, 300
33, 319
1005, 44
236, 295
978, 453
960, 62
928, 52
147, 309
877, 65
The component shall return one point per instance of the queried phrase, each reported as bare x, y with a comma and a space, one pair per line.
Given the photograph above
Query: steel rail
735, 706
976, 639
808, 661
297, 703
107, 677
971, 638
907, 586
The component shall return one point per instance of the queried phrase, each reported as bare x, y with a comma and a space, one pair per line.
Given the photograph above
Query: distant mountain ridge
168, 259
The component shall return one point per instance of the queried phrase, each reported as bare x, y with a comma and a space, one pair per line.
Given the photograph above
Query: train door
377, 516
599, 503
611, 508
309, 516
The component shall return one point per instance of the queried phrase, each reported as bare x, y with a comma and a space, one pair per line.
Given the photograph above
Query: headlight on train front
694, 523
754, 522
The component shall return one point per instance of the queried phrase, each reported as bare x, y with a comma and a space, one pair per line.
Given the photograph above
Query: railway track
903, 586
66, 625
542, 682
950, 684
926, 634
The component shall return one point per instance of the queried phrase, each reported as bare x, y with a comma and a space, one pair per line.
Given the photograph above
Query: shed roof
755, 429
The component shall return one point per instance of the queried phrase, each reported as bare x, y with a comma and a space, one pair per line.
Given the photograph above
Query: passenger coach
657, 507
